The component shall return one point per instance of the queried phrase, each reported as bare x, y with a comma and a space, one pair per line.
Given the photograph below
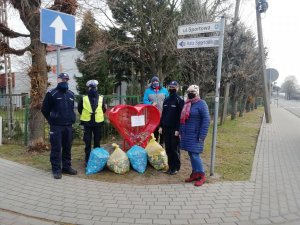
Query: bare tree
289, 87
199, 65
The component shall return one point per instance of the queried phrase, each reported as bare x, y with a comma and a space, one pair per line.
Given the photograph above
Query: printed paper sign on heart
135, 123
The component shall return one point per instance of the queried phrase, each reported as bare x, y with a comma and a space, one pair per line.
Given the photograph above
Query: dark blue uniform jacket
58, 107
172, 107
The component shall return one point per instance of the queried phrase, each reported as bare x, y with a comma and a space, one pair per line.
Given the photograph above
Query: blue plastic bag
138, 158
97, 161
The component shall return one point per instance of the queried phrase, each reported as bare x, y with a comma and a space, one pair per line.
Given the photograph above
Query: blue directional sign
57, 28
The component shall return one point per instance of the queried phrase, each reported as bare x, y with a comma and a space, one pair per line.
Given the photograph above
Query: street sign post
203, 42
272, 75
58, 29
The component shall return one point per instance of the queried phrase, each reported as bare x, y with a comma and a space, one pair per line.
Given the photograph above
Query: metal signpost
203, 42
272, 76
57, 29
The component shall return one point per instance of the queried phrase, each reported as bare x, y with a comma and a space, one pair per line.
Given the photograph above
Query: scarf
185, 113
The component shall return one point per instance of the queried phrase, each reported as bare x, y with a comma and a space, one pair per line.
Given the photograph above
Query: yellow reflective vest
87, 110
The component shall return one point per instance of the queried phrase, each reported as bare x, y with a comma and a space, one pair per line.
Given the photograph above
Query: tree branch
5, 49
10, 33
65, 6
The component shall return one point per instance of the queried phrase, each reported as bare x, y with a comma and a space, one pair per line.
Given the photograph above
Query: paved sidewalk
272, 196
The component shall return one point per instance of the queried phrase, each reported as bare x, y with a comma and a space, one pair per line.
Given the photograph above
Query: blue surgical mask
155, 85
63, 86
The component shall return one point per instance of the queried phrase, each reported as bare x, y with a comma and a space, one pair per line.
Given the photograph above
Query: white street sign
201, 42
198, 28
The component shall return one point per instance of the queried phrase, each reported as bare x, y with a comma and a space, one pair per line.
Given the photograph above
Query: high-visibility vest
87, 110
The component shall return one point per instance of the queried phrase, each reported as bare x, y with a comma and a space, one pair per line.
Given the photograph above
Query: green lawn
236, 143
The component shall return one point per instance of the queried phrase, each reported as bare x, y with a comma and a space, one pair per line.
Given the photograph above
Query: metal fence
14, 112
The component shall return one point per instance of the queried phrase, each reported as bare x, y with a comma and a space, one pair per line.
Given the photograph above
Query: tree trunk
242, 109
234, 109
234, 103
225, 106
39, 78
143, 80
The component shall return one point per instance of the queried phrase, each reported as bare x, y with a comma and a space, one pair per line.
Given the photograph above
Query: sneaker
173, 172
69, 171
57, 175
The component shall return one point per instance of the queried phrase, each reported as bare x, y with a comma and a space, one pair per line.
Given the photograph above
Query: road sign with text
57, 28
198, 28
201, 42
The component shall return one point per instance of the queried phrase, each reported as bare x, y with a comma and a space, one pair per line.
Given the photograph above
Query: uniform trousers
91, 132
61, 138
172, 148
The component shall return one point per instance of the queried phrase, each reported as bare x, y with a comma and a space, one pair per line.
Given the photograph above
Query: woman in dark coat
194, 124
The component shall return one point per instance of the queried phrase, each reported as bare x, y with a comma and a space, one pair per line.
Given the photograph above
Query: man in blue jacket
58, 109
155, 95
169, 126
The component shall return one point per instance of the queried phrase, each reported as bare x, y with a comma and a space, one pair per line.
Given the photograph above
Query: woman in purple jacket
194, 124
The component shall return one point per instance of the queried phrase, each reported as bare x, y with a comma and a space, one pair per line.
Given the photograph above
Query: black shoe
173, 172
57, 175
69, 171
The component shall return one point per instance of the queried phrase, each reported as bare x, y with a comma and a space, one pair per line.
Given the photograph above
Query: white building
68, 57
21, 80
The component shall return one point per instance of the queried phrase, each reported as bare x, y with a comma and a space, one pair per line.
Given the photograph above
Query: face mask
63, 86
93, 92
155, 85
172, 91
191, 95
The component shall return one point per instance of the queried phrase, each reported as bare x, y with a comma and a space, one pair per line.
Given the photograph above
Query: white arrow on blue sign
57, 28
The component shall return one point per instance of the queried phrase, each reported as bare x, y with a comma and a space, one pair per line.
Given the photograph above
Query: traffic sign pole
58, 60
202, 42
217, 98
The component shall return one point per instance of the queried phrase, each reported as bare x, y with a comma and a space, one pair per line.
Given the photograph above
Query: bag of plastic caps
138, 158
97, 160
118, 161
156, 155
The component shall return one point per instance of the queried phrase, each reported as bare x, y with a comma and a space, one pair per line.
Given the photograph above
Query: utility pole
227, 86
7, 67
260, 8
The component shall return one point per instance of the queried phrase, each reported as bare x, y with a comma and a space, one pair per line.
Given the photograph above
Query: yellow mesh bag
118, 161
157, 156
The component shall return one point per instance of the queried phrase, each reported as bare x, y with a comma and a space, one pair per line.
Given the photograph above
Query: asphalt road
292, 106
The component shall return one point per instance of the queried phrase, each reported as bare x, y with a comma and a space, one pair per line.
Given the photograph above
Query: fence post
26, 120
0, 130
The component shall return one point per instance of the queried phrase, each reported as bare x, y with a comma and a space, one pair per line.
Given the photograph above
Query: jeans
196, 162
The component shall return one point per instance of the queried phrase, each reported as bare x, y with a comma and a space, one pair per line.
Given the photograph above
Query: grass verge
236, 143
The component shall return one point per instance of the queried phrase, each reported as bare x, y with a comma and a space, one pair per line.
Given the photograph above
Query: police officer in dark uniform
91, 109
58, 109
169, 126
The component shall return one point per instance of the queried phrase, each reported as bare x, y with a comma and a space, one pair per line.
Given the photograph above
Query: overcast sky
281, 33
280, 30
